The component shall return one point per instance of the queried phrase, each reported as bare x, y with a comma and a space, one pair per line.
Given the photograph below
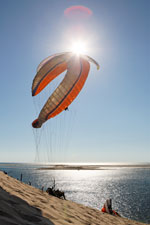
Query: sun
78, 47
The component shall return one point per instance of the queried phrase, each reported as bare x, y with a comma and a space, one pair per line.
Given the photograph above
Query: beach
22, 204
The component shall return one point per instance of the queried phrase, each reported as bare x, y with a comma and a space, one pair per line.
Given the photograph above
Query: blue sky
111, 116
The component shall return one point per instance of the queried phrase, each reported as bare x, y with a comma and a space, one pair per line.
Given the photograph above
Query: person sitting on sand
107, 208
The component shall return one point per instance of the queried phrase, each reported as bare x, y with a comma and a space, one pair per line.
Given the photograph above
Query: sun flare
78, 47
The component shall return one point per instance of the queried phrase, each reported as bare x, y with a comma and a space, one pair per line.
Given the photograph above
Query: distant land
92, 167
76, 166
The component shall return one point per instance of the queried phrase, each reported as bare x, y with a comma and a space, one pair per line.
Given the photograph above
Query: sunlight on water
129, 188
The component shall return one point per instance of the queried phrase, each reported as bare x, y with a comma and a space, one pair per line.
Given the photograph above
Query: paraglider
107, 208
77, 67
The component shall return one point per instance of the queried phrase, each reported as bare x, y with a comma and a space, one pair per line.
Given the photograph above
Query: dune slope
22, 204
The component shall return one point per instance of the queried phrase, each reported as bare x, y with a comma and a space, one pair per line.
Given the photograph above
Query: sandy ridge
22, 204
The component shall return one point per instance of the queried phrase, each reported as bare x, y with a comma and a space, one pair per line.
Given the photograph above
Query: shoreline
24, 204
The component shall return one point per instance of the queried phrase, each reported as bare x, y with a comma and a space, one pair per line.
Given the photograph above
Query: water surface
129, 188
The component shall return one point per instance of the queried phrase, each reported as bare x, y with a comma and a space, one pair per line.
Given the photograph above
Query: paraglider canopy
77, 67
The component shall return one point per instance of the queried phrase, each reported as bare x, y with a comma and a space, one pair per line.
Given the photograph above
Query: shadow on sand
15, 211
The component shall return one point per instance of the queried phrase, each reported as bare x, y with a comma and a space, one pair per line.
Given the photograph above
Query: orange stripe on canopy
50, 76
75, 89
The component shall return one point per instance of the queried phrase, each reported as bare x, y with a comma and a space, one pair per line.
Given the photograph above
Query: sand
22, 204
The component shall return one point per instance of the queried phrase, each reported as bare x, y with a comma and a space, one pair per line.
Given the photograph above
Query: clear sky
112, 113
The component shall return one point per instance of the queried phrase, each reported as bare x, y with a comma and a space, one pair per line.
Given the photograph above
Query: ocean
129, 188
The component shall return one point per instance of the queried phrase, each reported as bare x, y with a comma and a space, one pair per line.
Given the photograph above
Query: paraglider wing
67, 91
49, 69
92, 60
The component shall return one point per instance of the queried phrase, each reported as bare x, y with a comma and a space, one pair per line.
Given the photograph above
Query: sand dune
21, 204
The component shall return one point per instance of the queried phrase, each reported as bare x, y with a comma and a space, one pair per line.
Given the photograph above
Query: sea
128, 187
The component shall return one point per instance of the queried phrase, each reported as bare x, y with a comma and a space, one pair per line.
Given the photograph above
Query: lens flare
77, 12
78, 47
